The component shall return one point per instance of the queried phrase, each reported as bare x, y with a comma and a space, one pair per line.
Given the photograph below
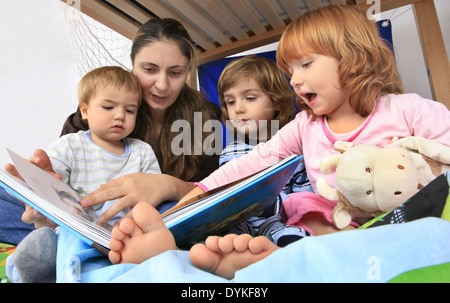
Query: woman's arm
137, 187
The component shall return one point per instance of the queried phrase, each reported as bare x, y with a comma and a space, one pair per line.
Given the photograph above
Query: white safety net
92, 43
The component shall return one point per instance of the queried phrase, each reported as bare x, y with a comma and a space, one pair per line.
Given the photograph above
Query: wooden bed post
433, 48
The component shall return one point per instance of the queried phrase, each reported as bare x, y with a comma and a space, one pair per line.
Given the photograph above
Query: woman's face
162, 71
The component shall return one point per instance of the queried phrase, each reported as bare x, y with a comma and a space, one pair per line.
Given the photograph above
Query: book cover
229, 204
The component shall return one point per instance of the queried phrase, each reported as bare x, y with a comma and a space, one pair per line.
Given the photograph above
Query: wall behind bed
38, 75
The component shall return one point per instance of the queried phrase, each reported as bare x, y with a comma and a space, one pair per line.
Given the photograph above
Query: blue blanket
377, 254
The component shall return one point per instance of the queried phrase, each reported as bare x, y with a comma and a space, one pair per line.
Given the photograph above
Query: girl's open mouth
310, 97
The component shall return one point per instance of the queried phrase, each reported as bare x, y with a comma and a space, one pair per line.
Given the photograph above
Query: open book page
50, 188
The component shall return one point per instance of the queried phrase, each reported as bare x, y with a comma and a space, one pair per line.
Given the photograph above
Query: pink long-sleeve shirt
394, 116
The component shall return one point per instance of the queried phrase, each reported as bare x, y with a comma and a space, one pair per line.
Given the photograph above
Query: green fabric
446, 212
5, 251
432, 274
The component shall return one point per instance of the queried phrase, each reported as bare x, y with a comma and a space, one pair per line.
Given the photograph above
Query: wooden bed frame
124, 16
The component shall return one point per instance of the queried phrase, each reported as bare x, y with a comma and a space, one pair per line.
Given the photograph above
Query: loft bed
417, 251
222, 28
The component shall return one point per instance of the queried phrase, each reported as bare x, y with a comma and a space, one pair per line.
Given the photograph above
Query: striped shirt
270, 223
85, 166
234, 150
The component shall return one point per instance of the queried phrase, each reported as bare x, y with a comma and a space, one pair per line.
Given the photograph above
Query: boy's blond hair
269, 77
114, 76
366, 64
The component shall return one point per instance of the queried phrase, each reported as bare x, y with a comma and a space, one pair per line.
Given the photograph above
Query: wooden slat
269, 12
241, 45
196, 17
291, 8
222, 17
245, 14
163, 12
338, 2
109, 17
386, 5
434, 51
313, 4
392, 4
131, 10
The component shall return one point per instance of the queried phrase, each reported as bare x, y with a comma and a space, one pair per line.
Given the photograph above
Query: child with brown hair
255, 87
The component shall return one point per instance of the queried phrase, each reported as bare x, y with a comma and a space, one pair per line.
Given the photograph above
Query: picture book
216, 211
211, 213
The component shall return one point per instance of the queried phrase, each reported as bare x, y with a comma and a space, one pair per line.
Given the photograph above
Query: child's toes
115, 245
129, 227
118, 234
241, 243
115, 257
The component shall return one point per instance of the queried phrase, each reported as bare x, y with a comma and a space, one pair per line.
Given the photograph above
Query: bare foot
226, 255
138, 239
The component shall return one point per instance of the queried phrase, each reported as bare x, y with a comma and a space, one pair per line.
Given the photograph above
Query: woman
163, 59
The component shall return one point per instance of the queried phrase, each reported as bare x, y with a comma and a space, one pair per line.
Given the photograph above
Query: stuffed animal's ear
328, 162
341, 216
325, 190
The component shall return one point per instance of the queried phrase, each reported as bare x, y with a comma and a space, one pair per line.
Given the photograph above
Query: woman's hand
134, 188
30, 215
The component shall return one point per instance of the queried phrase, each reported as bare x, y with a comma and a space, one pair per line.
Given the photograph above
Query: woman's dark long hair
189, 101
